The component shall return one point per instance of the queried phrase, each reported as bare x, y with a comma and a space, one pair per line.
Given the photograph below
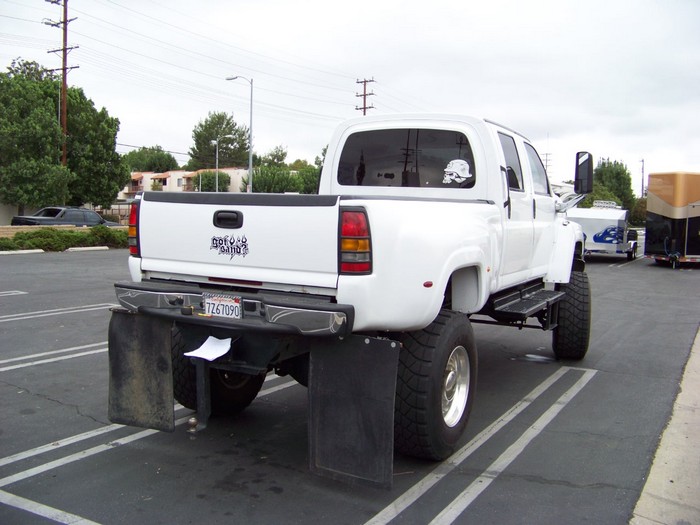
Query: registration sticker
223, 306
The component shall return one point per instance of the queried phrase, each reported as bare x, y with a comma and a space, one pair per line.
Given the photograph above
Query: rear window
431, 158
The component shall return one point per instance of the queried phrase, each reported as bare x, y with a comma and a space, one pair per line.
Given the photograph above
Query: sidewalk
672, 492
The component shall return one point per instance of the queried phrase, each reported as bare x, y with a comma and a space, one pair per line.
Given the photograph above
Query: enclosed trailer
673, 217
605, 229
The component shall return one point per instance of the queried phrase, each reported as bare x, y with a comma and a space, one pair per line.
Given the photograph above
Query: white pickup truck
365, 293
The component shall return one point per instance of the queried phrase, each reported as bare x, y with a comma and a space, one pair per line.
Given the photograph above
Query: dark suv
62, 215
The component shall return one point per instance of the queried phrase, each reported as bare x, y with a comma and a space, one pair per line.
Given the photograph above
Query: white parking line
42, 510
52, 352
52, 360
452, 511
12, 292
57, 311
56, 514
409, 497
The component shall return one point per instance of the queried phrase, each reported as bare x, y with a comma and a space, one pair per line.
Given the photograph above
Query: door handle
228, 219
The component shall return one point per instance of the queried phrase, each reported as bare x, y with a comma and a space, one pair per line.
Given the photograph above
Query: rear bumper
264, 311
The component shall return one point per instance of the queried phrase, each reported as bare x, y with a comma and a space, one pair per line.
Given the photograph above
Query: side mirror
583, 180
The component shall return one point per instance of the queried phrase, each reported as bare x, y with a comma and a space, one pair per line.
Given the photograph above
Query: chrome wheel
455, 386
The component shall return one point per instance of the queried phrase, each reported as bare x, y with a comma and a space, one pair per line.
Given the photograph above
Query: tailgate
271, 238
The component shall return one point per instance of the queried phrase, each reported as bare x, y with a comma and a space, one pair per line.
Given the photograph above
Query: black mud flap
140, 371
352, 385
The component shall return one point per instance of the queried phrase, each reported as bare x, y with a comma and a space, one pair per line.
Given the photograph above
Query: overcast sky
619, 78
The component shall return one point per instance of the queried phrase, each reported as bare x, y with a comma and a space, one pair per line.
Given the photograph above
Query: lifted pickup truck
365, 293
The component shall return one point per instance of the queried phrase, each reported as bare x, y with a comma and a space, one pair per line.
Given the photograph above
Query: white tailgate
290, 239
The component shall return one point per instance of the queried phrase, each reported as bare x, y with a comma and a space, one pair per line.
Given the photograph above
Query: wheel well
578, 264
463, 290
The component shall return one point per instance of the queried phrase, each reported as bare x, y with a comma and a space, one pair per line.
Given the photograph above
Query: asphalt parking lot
548, 442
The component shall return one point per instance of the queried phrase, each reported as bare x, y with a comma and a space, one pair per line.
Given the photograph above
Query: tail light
134, 248
355, 242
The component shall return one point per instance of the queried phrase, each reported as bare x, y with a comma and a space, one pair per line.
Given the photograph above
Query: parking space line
452, 511
57, 311
52, 360
7, 293
409, 497
44, 511
52, 352
58, 444
64, 517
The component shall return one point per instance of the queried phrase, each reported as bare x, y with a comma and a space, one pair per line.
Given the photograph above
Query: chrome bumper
260, 311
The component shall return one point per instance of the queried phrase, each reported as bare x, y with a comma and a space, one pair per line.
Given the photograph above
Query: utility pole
642, 161
364, 95
64, 68
546, 161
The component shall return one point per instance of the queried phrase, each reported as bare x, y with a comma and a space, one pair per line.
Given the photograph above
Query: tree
299, 165
600, 193
92, 155
309, 179
638, 214
319, 160
233, 143
31, 138
209, 180
150, 159
273, 180
275, 158
615, 177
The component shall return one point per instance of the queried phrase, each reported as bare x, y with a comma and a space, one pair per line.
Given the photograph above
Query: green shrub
112, 237
58, 240
7, 244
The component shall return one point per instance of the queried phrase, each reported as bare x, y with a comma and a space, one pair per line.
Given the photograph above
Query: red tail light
134, 248
355, 242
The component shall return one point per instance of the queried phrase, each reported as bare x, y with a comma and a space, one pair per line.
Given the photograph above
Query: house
176, 180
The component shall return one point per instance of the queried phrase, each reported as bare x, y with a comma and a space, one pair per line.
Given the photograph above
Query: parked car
55, 215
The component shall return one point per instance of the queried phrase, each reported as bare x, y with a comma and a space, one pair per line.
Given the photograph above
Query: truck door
518, 228
544, 213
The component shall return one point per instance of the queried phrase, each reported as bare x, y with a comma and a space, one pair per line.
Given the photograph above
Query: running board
524, 302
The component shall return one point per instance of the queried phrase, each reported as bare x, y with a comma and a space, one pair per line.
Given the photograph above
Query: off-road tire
231, 392
431, 360
573, 332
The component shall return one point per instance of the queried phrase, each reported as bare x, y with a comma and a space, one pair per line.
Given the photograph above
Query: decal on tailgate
230, 245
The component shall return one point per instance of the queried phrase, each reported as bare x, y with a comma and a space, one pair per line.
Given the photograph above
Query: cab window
514, 171
540, 182
414, 157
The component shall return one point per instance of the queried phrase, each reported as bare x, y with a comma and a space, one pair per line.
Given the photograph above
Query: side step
525, 301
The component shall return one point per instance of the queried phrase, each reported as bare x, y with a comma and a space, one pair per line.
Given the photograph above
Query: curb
670, 494
76, 249
20, 252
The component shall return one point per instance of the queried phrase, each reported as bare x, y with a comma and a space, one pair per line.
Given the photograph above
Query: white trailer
605, 229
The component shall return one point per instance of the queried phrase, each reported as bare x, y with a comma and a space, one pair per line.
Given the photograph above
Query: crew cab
365, 293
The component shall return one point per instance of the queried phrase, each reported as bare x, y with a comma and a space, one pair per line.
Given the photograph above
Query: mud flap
352, 385
140, 371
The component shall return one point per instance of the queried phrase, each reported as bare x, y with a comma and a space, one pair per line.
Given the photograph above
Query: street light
216, 141
250, 133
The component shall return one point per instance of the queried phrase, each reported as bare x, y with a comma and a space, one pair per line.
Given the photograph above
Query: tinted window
74, 216
429, 158
540, 182
92, 218
513, 169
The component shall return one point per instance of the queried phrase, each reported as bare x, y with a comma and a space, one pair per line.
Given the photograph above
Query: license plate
223, 306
